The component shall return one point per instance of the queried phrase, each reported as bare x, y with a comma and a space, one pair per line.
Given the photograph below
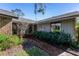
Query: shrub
9, 41
53, 37
14, 40
64, 38
5, 45
74, 45
3, 37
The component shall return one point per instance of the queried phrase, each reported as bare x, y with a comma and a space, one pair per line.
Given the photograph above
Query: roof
23, 20
8, 13
60, 17
51, 19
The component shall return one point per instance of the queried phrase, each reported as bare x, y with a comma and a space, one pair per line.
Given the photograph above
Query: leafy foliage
35, 51
8, 41
3, 37
15, 40
59, 38
53, 37
74, 45
39, 8
18, 12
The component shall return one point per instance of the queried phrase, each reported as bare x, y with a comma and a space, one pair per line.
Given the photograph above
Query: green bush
5, 45
9, 41
3, 37
14, 40
74, 45
53, 37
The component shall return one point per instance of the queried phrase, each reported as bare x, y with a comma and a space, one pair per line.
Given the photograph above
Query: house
14, 25
6, 21
65, 23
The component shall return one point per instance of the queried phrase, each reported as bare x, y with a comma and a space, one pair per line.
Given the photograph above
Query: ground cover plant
9, 41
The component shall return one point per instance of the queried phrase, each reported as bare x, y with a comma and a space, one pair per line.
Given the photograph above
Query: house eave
7, 13
60, 17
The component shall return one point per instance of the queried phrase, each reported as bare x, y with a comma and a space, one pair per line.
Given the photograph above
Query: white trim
60, 17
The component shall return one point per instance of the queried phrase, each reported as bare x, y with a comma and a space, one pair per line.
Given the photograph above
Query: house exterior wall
7, 29
5, 25
44, 27
68, 26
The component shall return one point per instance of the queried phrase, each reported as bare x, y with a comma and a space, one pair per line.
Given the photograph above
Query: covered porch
22, 28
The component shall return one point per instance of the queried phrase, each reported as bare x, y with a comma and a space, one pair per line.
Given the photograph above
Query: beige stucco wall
44, 27
68, 26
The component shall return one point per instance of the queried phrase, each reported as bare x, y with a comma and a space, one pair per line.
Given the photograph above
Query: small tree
18, 12
39, 8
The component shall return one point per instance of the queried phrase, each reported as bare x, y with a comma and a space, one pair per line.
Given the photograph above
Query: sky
52, 9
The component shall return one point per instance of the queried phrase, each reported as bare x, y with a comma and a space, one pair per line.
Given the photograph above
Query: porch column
50, 27
32, 27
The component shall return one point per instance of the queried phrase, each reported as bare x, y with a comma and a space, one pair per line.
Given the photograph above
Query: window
56, 27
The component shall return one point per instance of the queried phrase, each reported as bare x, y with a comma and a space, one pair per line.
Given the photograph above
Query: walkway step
73, 52
65, 54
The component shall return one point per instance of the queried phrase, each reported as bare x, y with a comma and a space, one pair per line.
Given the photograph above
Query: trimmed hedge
9, 41
53, 37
